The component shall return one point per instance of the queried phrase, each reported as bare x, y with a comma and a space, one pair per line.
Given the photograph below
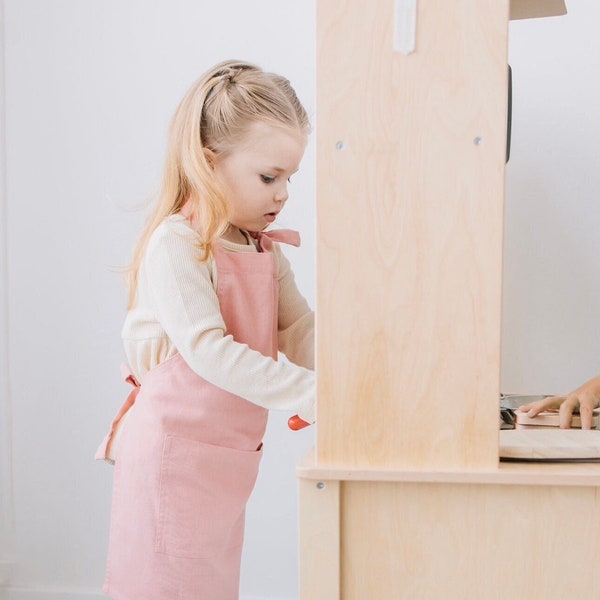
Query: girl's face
256, 174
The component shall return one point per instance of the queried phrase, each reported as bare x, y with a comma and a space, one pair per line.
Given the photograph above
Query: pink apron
189, 454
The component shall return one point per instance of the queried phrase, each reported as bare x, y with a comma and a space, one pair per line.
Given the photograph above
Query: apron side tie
106, 450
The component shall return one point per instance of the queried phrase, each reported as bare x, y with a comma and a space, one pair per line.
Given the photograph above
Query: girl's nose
282, 194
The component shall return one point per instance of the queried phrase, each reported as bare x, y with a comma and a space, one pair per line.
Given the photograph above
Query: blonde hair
211, 120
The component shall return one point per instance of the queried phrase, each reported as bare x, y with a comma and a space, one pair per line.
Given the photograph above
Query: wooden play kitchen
404, 496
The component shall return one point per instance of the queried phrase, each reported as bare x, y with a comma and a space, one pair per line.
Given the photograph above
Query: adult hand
583, 400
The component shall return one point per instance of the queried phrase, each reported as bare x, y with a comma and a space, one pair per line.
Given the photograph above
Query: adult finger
587, 404
535, 408
585, 413
567, 408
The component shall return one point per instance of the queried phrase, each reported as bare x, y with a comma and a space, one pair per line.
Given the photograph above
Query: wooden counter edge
507, 473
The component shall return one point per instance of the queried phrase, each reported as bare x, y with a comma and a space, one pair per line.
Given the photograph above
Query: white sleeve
188, 309
296, 320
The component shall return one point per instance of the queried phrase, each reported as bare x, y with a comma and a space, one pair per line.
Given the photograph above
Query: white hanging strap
405, 26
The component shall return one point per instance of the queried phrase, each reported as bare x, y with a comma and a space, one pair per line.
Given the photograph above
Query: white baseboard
13, 593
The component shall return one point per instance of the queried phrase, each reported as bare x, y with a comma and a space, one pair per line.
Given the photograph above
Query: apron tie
129, 377
105, 450
265, 239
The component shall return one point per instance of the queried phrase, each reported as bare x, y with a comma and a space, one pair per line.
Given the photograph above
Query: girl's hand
583, 400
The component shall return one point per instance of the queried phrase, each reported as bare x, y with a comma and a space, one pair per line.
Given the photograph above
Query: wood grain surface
459, 542
410, 191
550, 443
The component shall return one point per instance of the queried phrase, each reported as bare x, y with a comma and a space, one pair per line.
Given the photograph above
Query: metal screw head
478, 141
340, 145
320, 485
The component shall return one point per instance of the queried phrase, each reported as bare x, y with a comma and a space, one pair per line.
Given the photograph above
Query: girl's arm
188, 309
296, 335
583, 400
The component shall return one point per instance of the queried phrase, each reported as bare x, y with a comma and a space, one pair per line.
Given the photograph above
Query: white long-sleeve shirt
177, 311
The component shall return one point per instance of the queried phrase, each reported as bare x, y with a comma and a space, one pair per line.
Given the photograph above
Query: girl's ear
211, 157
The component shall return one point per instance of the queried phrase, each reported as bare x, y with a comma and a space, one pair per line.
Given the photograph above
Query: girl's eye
267, 179
289, 180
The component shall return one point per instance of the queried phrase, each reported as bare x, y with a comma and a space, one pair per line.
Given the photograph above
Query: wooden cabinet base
389, 540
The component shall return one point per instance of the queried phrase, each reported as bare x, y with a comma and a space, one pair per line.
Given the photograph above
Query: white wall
552, 244
6, 507
90, 88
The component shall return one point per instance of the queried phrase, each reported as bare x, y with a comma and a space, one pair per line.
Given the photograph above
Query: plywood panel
319, 540
429, 541
410, 182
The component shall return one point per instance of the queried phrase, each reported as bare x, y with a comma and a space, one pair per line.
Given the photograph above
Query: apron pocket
203, 494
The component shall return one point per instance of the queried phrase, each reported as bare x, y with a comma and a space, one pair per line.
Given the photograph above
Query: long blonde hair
211, 120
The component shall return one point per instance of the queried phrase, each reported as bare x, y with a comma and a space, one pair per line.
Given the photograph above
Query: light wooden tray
550, 444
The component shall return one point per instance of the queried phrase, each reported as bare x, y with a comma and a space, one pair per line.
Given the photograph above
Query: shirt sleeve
296, 326
187, 307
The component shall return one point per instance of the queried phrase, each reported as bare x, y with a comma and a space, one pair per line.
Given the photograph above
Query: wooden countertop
506, 473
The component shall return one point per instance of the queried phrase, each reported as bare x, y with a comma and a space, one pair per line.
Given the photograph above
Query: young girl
212, 301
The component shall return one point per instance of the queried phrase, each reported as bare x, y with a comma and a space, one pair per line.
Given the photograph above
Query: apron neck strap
266, 238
